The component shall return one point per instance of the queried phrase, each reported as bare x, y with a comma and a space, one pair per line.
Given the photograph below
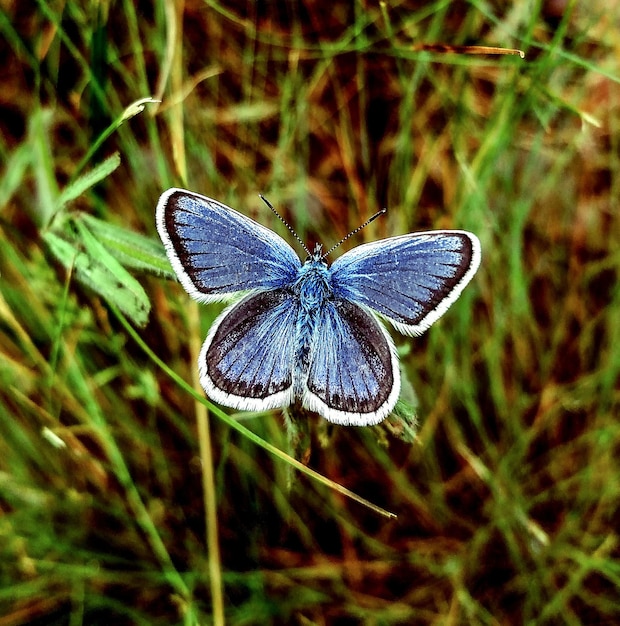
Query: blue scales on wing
247, 359
411, 279
353, 375
216, 251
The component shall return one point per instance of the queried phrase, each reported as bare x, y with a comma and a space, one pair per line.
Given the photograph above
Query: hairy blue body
312, 287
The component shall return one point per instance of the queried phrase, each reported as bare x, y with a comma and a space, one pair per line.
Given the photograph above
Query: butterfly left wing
353, 375
412, 280
216, 251
247, 359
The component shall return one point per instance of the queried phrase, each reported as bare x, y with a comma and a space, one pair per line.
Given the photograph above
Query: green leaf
131, 249
120, 288
96, 268
81, 184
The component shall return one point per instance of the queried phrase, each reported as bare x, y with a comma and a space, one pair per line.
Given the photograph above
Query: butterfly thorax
312, 283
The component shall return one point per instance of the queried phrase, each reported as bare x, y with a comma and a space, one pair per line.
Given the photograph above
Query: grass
507, 500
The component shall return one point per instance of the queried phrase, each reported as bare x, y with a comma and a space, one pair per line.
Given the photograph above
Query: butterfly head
317, 255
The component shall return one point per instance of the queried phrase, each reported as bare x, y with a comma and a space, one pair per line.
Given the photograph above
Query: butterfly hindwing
412, 279
216, 251
247, 359
353, 375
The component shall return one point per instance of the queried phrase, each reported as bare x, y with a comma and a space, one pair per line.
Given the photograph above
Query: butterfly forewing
216, 251
412, 279
247, 359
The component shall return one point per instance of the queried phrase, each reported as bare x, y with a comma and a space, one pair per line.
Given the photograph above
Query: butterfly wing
216, 251
247, 359
412, 280
353, 375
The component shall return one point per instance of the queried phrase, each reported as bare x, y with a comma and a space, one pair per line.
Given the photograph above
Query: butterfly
308, 333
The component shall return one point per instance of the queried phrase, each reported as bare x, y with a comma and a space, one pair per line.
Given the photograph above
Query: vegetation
121, 501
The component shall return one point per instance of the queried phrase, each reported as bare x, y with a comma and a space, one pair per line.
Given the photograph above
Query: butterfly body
308, 333
311, 289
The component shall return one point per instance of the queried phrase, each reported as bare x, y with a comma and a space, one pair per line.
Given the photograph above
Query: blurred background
507, 500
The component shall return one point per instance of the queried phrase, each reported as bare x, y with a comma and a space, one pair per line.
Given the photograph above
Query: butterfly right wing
216, 251
247, 360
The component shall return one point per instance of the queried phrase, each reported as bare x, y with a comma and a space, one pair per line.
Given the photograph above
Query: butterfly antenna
303, 245
353, 232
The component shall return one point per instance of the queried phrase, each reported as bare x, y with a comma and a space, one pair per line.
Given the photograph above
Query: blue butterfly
306, 332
